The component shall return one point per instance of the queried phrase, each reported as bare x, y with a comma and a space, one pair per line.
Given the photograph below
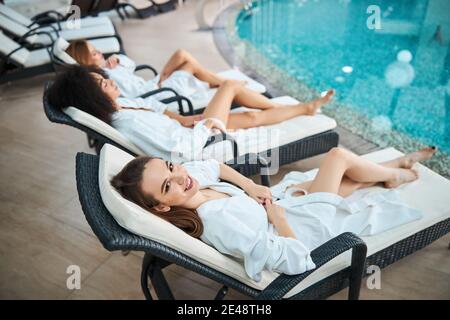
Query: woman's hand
211, 124
162, 77
275, 213
112, 61
190, 121
258, 192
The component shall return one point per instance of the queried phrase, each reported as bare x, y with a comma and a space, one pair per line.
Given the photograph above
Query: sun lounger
109, 216
164, 244
20, 62
44, 36
94, 7
44, 19
297, 139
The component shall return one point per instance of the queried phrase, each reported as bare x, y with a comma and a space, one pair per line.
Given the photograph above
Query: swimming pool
395, 73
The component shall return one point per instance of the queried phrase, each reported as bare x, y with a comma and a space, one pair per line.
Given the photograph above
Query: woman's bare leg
220, 105
244, 120
183, 60
348, 186
339, 162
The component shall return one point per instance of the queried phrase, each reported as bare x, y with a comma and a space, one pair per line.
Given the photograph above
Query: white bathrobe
156, 134
238, 225
184, 83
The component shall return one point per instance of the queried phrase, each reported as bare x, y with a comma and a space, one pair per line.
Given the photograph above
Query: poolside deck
42, 227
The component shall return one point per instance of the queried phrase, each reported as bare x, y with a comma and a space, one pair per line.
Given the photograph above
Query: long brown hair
128, 183
79, 50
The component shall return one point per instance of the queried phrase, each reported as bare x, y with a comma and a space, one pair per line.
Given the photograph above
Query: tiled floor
43, 230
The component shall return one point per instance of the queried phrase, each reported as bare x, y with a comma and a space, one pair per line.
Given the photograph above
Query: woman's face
168, 183
108, 86
95, 56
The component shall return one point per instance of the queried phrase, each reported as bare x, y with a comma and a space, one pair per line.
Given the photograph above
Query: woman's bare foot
313, 106
402, 176
410, 159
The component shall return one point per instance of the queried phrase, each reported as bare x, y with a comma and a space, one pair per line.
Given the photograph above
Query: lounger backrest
85, 6
7, 45
105, 5
139, 221
15, 15
12, 26
101, 127
59, 50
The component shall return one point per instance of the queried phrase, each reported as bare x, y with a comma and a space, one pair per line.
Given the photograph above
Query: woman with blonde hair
182, 73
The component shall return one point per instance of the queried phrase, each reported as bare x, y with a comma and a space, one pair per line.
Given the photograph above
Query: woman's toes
423, 154
329, 95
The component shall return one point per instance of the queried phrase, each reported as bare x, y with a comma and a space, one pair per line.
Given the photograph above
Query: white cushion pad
7, 45
429, 194
101, 127
37, 58
74, 34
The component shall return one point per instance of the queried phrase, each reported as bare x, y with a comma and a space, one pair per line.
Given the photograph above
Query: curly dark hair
77, 88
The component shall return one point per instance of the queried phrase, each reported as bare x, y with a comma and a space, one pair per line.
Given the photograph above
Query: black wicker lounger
288, 153
11, 70
94, 7
158, 256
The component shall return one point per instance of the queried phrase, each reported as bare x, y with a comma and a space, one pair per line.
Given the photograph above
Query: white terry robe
157, 134
238, 225
184, 83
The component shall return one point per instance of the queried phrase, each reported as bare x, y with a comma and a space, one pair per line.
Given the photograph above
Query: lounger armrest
156, 91
29, 34
47, 14
47, 17
179, 99
264, 170
279, 287
146, 66
223, 137
38, 29
46, 21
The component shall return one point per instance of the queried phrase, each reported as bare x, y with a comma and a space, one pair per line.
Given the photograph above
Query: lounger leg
144, 277
356, 271
152, 267
222, 293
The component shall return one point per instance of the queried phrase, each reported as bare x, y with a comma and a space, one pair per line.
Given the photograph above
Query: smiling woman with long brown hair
241, 218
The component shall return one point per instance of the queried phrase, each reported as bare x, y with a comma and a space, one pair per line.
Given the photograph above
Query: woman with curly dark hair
158, 131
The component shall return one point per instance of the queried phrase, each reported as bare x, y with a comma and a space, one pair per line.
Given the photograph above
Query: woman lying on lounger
159, 132
241, 220
182, 73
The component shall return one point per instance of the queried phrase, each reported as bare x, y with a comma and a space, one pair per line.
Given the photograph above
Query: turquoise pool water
397, 75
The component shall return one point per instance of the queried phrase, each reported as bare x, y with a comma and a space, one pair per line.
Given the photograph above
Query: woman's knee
337, 153
232, 84
183, 55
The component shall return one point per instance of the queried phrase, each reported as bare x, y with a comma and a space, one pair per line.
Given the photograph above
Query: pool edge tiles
242, 54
